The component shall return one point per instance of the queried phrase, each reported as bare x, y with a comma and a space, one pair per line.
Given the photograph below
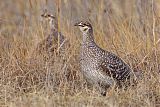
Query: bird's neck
53, 26
88, 38
54, 33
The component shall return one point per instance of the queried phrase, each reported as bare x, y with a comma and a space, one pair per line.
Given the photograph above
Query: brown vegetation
130, 29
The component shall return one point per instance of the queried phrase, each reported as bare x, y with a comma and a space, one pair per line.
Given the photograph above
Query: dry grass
130, 29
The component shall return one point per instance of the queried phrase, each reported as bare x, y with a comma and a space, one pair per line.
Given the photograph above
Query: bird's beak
49, 15
76, 24
42, 15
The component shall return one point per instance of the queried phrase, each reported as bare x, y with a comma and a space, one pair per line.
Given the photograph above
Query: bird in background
55, 41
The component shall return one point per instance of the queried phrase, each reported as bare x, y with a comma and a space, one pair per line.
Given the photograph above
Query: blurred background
139, 17
102, 13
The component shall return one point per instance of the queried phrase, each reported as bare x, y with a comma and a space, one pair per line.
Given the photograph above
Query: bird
101, 68
55, 41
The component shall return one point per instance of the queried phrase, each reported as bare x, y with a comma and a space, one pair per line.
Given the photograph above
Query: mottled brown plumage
55, 41
101, 68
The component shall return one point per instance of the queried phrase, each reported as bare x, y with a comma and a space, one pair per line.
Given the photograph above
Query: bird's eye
85, 29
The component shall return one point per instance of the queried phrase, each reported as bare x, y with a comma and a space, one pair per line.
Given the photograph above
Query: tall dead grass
130, 29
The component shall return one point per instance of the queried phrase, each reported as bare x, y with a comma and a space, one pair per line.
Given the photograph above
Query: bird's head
85, 27
51, 18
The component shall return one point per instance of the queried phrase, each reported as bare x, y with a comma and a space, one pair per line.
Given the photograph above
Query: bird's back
100, 65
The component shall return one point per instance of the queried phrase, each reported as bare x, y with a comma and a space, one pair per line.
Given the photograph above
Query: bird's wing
115, 67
